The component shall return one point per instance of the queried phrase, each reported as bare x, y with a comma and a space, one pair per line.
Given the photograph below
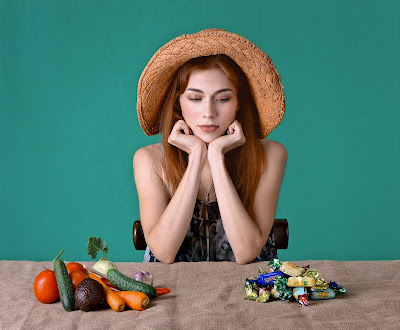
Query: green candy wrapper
280, 289
274, 264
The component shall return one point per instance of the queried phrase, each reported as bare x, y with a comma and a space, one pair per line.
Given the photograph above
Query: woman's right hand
182, 138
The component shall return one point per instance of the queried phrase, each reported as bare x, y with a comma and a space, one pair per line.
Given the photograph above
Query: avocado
88, 294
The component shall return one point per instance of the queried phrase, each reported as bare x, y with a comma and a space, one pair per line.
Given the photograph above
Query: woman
209, 191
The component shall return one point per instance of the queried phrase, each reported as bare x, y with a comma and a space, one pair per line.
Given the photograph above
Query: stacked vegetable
77, 288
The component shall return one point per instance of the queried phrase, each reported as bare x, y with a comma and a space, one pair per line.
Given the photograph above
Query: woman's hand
225, 143
182, 138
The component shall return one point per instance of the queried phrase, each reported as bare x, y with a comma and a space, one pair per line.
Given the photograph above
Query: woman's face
209, 103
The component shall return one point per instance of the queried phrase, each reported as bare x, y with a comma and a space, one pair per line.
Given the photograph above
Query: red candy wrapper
303, 299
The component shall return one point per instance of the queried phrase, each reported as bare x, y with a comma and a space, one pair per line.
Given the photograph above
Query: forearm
244, 235
166, 237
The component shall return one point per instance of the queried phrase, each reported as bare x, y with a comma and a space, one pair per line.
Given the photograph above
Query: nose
209, 109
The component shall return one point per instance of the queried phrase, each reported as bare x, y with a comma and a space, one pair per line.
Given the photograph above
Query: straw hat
265, 82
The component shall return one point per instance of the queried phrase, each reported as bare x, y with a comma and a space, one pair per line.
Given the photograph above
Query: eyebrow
217, 92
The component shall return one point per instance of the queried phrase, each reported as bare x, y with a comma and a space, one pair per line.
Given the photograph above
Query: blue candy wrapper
268, 278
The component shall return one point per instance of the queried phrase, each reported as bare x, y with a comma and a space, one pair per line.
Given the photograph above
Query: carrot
134, 299
115, 301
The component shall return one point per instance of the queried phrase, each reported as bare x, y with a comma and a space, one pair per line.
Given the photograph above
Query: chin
209, 138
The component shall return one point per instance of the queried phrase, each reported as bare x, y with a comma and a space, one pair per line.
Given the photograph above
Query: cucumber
126, 283
64, 284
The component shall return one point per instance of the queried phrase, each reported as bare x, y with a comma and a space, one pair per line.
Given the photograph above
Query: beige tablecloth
211, 296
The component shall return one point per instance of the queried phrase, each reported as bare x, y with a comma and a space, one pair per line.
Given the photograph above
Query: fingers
181, 127
234, 128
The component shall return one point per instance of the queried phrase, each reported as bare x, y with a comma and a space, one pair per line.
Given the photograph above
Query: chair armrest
281, 233
138, 236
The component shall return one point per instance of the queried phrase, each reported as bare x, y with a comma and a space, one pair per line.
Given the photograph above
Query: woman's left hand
234, 138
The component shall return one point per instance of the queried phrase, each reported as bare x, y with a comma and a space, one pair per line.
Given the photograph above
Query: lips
208, 128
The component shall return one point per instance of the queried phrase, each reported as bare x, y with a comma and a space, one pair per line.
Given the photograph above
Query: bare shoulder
148, 154
274, 150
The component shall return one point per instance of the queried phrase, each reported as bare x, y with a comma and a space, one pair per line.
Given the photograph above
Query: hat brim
265, 82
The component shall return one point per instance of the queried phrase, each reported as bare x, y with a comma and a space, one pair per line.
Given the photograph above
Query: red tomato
76, 266
76, 277
45, 287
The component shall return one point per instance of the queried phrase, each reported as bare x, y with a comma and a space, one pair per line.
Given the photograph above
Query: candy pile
289, 282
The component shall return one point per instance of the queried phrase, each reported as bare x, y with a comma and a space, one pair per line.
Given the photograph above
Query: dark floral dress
206, 239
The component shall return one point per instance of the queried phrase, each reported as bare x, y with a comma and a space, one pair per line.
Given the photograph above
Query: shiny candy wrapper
303, 300
263, 297
301, 281
251, 289
280, 289
299, 291
322, 294
338, 289
291, 269
320, 284
268, 278
310, 273
274, 264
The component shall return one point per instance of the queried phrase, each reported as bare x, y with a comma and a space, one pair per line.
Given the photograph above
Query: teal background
68, 125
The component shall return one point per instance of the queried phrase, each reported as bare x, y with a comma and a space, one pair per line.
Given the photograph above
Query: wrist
215, 154
198, 153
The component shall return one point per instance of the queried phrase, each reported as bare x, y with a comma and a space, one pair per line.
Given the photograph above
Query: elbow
247, 255
243, 260
168, 261
163, 256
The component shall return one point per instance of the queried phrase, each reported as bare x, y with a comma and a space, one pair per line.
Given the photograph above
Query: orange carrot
134, 299
115, 301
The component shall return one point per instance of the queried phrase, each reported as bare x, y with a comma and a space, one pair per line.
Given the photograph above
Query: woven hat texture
265, 82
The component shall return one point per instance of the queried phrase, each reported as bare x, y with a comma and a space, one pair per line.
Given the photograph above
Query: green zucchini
64, 284
126, 283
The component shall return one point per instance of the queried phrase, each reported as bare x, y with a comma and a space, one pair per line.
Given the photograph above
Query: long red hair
245, 164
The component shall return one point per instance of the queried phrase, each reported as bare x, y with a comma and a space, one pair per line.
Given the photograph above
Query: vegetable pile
78, 286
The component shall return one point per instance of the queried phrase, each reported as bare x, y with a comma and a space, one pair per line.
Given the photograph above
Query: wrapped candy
280, 289
291, 269
322, 294
303, 300
263, 297
251, 289
287, 281
274, 264
299, 291
336, 288
268, 278
301, 281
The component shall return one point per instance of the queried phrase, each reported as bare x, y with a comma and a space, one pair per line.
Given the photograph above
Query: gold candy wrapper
291, 269
263, 297
310, 273
301, 281
320, 284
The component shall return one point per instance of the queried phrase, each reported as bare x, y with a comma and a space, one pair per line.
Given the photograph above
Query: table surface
210, 295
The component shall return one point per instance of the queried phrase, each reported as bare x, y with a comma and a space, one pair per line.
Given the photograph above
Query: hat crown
264, 80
